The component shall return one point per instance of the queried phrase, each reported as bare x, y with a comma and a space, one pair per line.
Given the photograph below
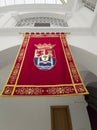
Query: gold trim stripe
12, 67
57, 85
67, 62
76, 67
61, 95
21, 62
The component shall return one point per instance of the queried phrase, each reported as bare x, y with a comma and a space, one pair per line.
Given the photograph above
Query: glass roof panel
29, 1
2, 3
19, 1
39, 1
14, 2
51, 1
9, 2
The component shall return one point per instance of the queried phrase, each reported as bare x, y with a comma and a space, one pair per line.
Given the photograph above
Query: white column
75, 6
94, 23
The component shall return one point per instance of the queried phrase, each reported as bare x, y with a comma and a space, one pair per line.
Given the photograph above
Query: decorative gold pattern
80, 88
19, 59
61, 90
72, 66
28, 91
8, 90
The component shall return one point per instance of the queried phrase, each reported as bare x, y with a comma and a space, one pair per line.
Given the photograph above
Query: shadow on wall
88, 77
91, 84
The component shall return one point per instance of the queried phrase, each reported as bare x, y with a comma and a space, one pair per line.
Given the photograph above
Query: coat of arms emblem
44, 56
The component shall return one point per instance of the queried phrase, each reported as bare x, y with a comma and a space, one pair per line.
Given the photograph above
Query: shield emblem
44, 56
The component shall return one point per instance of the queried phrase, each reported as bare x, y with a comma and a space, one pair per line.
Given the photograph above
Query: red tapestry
44, 66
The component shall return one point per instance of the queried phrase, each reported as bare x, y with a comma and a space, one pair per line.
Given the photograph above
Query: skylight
14, 2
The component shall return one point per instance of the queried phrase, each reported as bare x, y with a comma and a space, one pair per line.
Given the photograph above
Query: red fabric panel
30, 74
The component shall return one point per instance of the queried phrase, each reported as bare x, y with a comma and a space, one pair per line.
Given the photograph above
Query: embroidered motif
44, 56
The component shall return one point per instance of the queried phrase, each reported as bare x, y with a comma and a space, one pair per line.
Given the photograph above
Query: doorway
60, 118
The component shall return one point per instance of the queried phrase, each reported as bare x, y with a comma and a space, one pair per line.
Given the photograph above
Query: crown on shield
45, 45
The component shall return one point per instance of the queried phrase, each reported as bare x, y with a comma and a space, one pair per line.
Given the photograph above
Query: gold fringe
66, 33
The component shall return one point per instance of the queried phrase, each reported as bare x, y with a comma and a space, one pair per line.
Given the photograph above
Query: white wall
88, 43
4, 19
94, 25
10, 41
82, 17
27, 113
85, 61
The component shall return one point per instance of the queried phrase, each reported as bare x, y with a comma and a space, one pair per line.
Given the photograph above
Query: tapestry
44, 66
